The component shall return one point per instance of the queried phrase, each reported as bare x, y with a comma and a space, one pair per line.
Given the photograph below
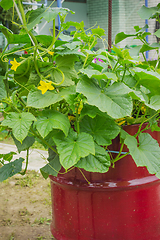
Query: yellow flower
45, 86
15, 64
71, 118
120, 121
143, 109
80, 107
79, 110
51, 53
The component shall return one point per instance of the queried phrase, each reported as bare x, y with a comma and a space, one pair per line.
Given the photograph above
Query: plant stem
117, 157
90, 47
22, 12
144, 57
22, 17
21, 101
124, 73
5, 49
115, 66
27, 158
35, 63
85, 60
157, 63
21, 85
5, 80
53, 39
139, 110
142, 40
139, 129
77, 121
42, 139
108, 82
83, 175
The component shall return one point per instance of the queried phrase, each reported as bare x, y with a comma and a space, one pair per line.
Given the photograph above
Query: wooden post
109, 25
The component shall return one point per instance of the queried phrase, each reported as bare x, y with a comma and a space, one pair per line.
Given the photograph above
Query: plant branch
117, 159
42, 139
118, 156
124, 73
27, 158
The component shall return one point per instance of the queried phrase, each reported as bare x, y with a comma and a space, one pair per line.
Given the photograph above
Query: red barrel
122, 204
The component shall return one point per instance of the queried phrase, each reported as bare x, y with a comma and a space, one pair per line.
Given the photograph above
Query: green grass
27, 180
42, 221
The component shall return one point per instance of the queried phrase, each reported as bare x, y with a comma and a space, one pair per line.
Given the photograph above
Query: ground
25, 208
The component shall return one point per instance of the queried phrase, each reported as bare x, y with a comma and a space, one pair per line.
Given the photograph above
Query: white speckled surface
37, 158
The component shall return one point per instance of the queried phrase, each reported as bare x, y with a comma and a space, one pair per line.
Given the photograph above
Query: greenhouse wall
124, 18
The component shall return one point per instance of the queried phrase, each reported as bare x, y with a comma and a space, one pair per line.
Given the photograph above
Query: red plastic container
122, 204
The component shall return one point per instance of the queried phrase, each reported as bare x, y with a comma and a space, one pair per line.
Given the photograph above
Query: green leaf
155, 127
92, 73
23, 72
65, 92
38, 100
10, 169
139, 95
89, 72
8, 156
71, 99
123, 134
91, 111
134, 51
141, 29
77, 25
20, 124
100, 162
73, 45
66, 65
6, 4
148, 79
68, 76
103, 129
26, 143
44, 39
50, 120
48, 14
147, 47
69, 52
51, 154
122, 54
110, 75
121, 36
146, 13
65, 38
52, 168
3, 93
33, 79
7, 33
157, 33
73, 147
146, 152
130, 81
19, 38
154, 102
98, 31
114, 100
52, 13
